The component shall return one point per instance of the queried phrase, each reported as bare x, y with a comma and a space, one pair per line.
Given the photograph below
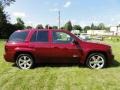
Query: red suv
27, 47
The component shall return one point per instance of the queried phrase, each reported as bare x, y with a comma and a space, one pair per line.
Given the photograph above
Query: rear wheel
24, 61
96, 61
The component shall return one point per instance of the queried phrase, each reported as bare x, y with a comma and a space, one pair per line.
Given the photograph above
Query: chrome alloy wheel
24, 61
96, 62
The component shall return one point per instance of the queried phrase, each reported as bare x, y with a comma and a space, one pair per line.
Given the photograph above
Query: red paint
55, 52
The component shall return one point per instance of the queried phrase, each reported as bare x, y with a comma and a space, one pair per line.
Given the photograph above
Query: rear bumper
9, 57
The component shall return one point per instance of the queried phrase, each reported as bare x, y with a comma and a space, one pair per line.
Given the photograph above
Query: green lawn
60, 78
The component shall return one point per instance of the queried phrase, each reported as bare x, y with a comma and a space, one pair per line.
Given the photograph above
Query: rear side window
18, 36
40, 36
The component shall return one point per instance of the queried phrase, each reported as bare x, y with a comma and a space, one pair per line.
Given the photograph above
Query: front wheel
96, 61
24, 61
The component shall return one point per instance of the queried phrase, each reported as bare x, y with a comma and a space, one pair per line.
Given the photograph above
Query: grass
60, 78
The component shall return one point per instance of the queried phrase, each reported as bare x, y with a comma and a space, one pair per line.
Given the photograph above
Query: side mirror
75, 42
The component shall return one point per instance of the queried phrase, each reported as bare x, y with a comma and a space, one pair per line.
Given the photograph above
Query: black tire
94, 63
24, 61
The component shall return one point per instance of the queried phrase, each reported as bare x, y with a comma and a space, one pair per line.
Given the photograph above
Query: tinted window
61, 37
33, 38
18, 36
42, 36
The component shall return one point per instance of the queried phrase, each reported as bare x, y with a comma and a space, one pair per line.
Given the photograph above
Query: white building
96, 32
115, 30
75, 31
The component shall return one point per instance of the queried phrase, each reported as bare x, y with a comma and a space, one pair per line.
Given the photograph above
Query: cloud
54, 9
19, 14
67, 4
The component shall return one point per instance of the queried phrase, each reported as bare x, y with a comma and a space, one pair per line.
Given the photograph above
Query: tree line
6, 28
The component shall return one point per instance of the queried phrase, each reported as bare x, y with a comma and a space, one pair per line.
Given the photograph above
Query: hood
98, 42
95, 44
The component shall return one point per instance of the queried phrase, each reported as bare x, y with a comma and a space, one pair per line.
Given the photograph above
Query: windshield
18, 36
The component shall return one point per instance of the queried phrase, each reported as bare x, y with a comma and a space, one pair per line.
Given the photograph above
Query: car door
40, 43
63, 49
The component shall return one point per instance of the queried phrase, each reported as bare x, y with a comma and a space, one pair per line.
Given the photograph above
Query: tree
20, 24
3, 16
107, 29
68, 26
29, 27
6, 2
20, 21
101, 26
62, 28
87, 28
47, 26
77, 27
39, 26
50, 27
3, 22
55, 27
92, 26
5, 27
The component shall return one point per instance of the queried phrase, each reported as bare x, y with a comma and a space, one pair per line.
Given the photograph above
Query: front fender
87, 52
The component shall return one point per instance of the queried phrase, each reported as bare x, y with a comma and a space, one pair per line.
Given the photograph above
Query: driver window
61, 37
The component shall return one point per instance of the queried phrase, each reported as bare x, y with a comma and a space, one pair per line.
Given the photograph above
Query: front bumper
110, 59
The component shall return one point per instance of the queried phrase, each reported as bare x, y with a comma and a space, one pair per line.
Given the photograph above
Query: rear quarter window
18, 36
40, 36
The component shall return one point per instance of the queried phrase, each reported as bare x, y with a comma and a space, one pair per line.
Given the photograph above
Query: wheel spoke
100, 61
28, 64
29, 60
99, 65
94, 66
21, 60
98, 58
93, 58
25, 57
25, 65
22, 63
91, 62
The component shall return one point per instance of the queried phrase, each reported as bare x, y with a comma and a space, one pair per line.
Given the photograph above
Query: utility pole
117, 30
59, 19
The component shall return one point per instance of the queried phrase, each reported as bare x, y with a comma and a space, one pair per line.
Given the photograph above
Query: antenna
59, 19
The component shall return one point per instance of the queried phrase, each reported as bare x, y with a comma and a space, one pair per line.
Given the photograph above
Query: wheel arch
101, 52
23, 52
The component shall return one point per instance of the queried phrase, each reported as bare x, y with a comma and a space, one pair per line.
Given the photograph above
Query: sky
81, 12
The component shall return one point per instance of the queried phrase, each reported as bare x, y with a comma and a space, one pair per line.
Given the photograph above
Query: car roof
41, 30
